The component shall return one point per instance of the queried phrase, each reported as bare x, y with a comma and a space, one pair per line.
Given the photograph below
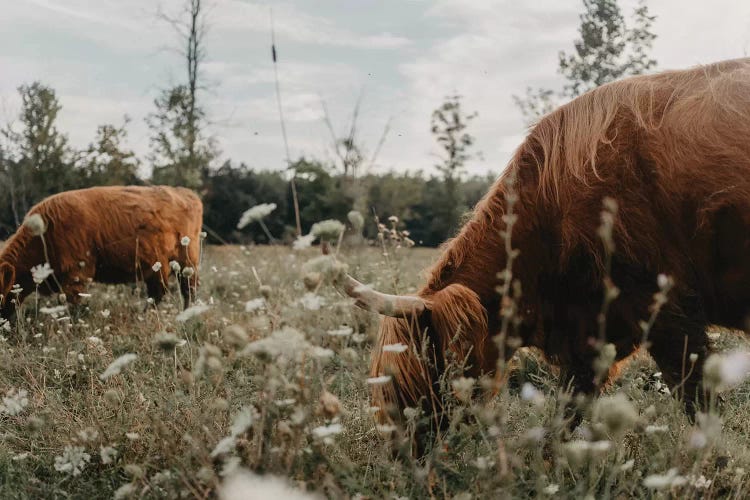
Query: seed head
36, 224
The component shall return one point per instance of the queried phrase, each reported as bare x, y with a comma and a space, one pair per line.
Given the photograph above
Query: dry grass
167, 411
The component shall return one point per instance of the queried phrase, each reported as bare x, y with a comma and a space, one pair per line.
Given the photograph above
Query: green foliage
608, 49
179, 153
106, 162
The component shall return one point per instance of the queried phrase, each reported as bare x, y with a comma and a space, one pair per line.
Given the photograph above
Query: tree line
37, 160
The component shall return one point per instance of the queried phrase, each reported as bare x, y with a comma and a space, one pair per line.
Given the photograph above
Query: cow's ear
7, 277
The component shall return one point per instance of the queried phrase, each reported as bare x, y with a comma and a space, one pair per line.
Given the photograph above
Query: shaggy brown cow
109, 235
673, 150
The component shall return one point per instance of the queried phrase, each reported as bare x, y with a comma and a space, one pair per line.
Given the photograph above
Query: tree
39, 161
608, 49
180, 153
449, 123
106, 162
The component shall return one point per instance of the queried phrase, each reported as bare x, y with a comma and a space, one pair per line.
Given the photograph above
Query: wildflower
321, 353
393, 219
191, 312
664, 481
116, 366
397, 348
700, 482
53, 311
243, 484
383, 379
385, 429
255, 213
4, 325
255, 305
14, 402
327, 230
616, 412
653, 429
312, 302
327, 430
303, 242
463, 388
133, 436
312, 280
185, 241
127, 490
174, 266
188, 272
327, 266
551, 489
344, 331
105, 313
287, 344
236, 336
627, 465
156, 267
72, 461
721, 372
36, 224
88, 434
241, 423
107, 454
167, 342
484, 463
356, 220
330, 406
532, 394
41, 272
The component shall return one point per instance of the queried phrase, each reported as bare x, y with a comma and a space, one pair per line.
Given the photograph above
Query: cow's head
437, 327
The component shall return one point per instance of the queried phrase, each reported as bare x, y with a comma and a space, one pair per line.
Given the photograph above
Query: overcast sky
108, 58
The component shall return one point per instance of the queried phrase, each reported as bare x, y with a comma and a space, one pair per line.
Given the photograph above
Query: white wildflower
383, 379
327, 430
627, 465
185, 241
36, 224
107, 454
105, 313
551, 489
356, 220
255, 304
722, 372
4, 325
243, 485
664, 481
41, 272
127, 490
14, 402
55, 311
192, 312
255, 213
303, 242
174, 266
133, 436
241, 423
531, 394
344, 331
327, 230
312, 302
653, 429
700, 482
463, 388
385, 429
156, 267
72, 461
117, 365
88, 434
397, 348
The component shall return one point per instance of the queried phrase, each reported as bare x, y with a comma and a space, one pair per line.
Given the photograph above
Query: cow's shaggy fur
109, 235
673, 149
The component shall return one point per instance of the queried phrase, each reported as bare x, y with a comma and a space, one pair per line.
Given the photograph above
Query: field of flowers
269, 373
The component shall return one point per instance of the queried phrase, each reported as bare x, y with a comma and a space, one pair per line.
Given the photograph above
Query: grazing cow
673, 150
105, 234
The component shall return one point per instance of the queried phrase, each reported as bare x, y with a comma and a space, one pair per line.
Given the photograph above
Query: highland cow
673, 151
104, 234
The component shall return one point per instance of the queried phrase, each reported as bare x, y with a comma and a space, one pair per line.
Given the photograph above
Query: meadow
269, 373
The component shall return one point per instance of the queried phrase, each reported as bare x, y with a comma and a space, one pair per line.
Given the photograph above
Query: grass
275, 406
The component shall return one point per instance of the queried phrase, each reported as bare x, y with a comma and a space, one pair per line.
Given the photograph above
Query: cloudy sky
109, 58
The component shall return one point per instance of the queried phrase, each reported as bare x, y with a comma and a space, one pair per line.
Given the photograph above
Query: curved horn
396, 306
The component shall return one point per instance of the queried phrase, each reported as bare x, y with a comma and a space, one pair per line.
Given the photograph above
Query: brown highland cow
105, 234
673, 150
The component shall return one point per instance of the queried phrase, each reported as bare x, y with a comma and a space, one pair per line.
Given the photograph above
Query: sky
109, 58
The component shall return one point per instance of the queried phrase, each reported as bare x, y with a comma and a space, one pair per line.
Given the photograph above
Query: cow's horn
396, 306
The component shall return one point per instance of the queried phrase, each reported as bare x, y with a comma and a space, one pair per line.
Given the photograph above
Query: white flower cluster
256, 213
72, 461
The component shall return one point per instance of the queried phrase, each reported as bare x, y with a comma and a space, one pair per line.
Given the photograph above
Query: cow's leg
188, 288
677, 334
156, 288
